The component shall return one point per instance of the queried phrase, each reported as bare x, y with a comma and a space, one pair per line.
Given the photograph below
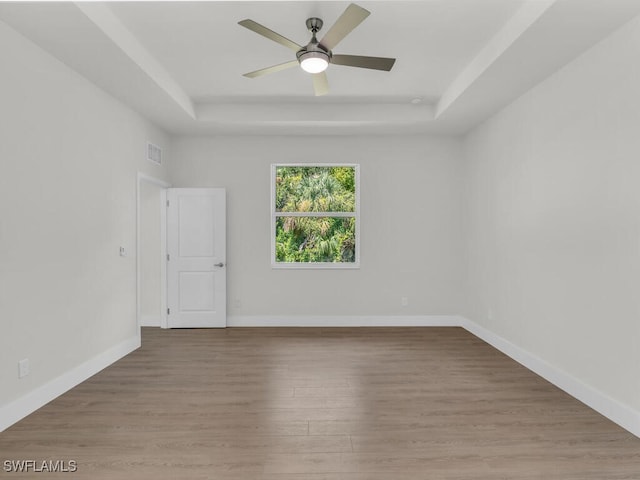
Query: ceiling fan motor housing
313, 50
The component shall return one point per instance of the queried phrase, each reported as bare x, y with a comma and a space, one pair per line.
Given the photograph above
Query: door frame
143, 177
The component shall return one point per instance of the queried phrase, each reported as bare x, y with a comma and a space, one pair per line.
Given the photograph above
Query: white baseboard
343, 321
29, 403
150, 320
623, 415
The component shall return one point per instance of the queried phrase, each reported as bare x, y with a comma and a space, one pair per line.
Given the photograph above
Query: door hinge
168, 311
168, 257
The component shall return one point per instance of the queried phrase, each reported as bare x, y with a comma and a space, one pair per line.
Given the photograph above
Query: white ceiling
181, 63
206, 51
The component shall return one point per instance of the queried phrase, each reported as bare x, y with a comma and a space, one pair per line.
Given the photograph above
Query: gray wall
554, 219
410, 223
69, 156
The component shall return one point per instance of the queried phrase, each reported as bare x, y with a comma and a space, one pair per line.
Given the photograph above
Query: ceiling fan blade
375, 63
270, 34
320, 83
350, 19
272, 69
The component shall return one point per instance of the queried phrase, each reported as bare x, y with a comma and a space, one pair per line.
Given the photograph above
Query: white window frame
355, 214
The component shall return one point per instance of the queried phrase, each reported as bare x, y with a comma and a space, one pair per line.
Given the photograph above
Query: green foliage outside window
316, 238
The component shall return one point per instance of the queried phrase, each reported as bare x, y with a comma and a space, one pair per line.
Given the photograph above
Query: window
315, 216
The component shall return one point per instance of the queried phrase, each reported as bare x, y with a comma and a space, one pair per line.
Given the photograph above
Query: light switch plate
23, 368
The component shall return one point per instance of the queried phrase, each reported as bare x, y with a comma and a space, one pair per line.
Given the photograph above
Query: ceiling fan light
314, 62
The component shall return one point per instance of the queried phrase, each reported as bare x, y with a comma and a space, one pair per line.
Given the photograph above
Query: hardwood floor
320, 404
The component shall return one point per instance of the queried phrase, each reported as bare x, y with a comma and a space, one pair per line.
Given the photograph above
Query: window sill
315, 266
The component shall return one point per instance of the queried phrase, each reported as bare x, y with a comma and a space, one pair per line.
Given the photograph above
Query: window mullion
315, 214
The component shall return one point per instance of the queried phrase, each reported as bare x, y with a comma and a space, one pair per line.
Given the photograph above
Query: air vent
154, 153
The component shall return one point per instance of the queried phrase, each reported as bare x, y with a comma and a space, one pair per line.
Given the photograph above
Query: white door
196, 273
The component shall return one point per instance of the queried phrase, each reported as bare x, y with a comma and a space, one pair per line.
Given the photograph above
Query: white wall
69, 155
553, 203
410, 223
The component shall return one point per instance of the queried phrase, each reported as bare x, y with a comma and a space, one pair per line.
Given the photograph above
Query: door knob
219, 264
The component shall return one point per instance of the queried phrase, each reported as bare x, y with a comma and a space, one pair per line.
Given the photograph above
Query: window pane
315, 239
315, 189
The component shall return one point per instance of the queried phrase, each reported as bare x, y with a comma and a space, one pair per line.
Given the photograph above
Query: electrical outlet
23, 368
404, 301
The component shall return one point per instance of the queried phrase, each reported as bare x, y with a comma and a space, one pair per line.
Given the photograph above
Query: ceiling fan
316, 56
